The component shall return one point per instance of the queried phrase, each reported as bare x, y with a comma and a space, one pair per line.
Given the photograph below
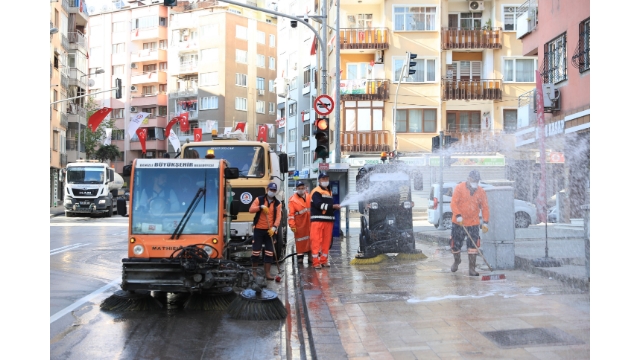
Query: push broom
484, 277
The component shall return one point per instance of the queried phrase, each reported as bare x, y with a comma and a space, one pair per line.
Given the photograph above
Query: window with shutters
465, 70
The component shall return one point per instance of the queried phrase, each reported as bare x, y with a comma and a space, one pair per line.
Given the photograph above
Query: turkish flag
240, 126
167, 130
97, 117
314, 45
262, 133
197, 134
184, 122
137, 32
142, 135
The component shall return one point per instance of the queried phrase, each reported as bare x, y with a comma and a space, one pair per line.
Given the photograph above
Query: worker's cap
474, 175
323, 175
299, 183
272, 186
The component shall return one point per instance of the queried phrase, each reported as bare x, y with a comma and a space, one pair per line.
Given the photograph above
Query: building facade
68, 79
559, 37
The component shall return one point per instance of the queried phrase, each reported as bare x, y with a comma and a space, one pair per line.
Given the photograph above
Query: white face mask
271, 193
300, 192
324, 183
474, 185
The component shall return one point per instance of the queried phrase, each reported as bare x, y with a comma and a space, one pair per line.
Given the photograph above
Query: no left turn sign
323, 105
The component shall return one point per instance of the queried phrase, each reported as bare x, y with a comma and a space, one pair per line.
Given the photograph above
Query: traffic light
448, 140
118, 88
170, 2
409, 64
435, 144
322, 138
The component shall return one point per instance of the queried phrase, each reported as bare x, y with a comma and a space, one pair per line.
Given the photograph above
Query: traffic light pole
395, 109
440, 195
82, 96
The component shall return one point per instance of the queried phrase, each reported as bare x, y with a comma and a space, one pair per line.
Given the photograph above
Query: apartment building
130, 41
68, 71
222, 67
559, 38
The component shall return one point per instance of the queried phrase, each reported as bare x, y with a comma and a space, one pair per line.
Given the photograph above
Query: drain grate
530, 337
377, 297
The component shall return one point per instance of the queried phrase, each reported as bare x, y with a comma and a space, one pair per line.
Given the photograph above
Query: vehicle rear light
435, 203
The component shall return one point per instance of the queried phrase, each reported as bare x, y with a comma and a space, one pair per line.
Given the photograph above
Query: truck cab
91, 188
258, 165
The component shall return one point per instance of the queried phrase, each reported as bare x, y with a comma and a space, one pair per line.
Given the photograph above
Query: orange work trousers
321, 233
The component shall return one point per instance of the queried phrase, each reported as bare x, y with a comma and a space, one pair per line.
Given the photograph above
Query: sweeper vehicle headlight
374, 205
138, 249
407, 204
208, 249
102, 201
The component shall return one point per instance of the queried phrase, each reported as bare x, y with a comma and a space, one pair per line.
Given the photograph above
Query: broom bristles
257, 306
126, 301
209, 302
374, 260
411, 256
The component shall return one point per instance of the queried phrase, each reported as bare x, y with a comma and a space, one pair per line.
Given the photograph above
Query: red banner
240, 126
97, 117
262, 133
142, 136
541, 201
197, 134
167, 130
184, 122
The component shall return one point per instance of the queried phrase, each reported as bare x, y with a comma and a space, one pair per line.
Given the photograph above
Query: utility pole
440, 195
337, 128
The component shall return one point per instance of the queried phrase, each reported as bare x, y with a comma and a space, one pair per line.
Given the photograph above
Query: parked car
525, 212
552, 215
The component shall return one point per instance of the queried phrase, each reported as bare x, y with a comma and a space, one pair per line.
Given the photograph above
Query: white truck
91, 188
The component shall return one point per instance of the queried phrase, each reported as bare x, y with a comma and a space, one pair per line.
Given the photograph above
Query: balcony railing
63, 160
64, 80
64, 121
65, 41
526, 18
377, 89
473, 139
65, 6
365, 141
77, 38
184, 93
72, 145
488, 89
364, 38
191, 66
460, 38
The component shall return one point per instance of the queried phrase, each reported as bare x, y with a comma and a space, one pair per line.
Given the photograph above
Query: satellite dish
91, 82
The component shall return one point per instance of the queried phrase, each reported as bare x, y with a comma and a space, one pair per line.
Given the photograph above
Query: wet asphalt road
85, 268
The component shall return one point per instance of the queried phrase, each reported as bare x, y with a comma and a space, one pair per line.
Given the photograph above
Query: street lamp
53, 31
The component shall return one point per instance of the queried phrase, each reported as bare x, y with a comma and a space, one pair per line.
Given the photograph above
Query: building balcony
77, 41
157, 121
183, 93
149, 100
364, 38
149, 77
188, 67
64, 79
526, 18
186, 45
184, 21
193, 114
72, 145
150, 33
364, 89
64, 119
460, 38
365, 141
63, 160
76, 115
488, 89
148, 55
150, 145
77, 78
64, 40
473, 139
78, 7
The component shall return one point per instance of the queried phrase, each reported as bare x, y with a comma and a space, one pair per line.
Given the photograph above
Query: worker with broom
467, 201
267, 209
322, 208
299, 221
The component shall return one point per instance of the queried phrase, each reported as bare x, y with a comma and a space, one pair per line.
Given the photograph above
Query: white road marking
77, 304
66, 248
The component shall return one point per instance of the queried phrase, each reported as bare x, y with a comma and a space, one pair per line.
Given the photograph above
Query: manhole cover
530, 337
377, 297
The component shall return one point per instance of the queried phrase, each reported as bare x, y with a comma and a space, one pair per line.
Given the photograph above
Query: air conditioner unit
476, 5
134, 65
260, 92
134, 109
56, 51
134, 88
551, 97
379, 59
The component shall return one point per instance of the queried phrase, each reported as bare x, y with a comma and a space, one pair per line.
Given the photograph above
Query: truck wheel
522, 220
110, 212
446, 221
68, 214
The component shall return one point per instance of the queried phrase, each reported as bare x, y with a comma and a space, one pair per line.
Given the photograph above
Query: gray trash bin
498, 244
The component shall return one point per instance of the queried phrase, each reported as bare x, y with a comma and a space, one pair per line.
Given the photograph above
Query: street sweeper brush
493, 277
210, 302
368, 261
413, 255
123, 300
257, 305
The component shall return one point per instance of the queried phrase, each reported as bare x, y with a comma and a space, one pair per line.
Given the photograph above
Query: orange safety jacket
274, 213
299, 218
468, 206
321, 205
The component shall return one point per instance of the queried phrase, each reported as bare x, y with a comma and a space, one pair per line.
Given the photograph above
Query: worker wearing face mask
299, 217
267, 209
466, 203
322, 219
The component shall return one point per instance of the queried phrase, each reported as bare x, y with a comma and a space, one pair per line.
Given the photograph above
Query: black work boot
472, 265
456, 261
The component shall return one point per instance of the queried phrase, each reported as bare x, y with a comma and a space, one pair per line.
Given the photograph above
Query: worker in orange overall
467, 201
267, 217
299, 221
322, 208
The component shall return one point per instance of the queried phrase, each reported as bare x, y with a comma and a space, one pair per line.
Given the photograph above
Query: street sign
323, 166
323, 105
